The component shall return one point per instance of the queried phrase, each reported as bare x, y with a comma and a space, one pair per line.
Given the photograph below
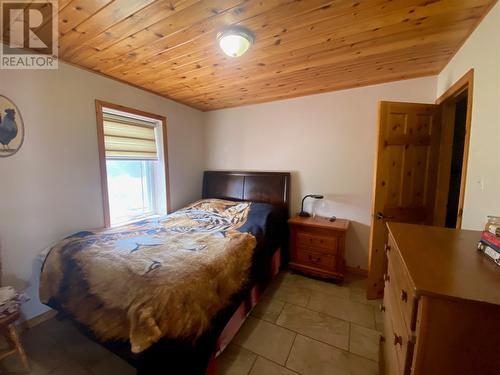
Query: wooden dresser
441, 304
317, 246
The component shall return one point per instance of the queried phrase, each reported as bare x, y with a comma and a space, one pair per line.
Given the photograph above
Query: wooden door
405, 176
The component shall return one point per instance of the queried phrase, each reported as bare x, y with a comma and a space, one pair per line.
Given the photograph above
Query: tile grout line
315, 339
290, 351
272, 360
349, 338
253, 364
281, 312
348, 350
305, 288
309, 337
324, 313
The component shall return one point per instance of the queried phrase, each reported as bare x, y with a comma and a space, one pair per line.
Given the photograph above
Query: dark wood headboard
264, 187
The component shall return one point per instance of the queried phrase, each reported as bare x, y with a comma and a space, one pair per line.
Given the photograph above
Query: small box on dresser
317, 246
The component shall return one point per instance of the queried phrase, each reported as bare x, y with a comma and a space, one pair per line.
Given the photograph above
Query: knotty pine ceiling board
302, 47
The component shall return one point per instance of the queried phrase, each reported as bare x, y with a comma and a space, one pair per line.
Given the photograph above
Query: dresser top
446, 262
320, 222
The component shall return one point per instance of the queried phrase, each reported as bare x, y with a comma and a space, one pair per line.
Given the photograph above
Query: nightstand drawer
317, 259
309, 240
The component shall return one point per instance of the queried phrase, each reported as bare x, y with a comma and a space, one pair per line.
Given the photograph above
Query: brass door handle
382, 308
381, 216
387, 278
387, 248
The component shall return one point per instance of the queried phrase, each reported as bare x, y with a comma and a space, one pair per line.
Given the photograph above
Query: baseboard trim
33, 322
357, 271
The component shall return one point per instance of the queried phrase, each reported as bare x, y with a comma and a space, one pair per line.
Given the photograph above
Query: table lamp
304, 213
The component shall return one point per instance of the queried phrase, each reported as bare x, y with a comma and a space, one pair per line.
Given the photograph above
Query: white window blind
129, 138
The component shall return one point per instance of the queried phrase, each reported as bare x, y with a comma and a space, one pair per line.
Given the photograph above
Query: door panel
405, 177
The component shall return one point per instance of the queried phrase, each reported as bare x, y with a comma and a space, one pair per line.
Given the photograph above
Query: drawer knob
382, 308
314, 259
404, 295
398, 340
382, 339
387, 248
387, 278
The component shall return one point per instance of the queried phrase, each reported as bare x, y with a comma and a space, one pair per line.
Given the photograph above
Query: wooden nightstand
317, 246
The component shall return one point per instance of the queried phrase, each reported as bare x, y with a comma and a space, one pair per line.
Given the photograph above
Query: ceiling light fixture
235, 41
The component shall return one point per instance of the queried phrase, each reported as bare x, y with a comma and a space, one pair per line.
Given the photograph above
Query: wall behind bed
51, 187
327, 141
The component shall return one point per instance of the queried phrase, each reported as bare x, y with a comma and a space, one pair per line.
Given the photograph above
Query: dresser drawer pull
382, 339
404, 295
382, 308
387, 278
314, 259
398, 340
387, 248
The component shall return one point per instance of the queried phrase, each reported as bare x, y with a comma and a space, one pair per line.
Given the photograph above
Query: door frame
466, 82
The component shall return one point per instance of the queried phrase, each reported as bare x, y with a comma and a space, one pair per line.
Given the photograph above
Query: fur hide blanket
157, 278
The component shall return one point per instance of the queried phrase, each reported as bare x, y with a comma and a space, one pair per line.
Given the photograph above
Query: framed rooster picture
11, 128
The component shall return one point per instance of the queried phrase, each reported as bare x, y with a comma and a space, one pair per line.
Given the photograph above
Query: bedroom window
134, 174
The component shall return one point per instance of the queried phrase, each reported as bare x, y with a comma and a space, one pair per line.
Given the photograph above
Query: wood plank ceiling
302, 47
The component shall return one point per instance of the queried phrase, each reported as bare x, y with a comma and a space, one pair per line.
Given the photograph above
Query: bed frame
264, 187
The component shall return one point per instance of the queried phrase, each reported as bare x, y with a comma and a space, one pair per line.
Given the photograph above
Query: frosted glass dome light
234, 42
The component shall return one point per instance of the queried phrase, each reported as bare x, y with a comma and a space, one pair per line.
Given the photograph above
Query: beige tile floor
301, 326
306, 326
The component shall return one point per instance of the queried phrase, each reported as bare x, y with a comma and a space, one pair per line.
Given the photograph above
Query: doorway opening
457, 154
456, 112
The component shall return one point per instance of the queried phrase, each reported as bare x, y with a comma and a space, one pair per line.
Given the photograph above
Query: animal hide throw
167, 277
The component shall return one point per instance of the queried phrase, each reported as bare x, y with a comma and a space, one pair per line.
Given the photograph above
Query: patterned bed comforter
157, 278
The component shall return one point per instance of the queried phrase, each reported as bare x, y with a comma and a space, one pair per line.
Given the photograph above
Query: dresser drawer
305, 239
399, 338
401, 286
391, 364
315, 258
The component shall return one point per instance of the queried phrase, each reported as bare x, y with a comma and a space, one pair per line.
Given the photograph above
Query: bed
168, 294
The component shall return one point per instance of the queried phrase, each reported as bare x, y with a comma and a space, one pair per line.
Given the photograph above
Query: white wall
51, 187
481, 52
327, 141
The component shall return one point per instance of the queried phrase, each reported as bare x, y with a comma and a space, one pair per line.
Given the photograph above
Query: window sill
135, 220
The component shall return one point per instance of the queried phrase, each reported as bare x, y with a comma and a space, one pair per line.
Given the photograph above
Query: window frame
100, 105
